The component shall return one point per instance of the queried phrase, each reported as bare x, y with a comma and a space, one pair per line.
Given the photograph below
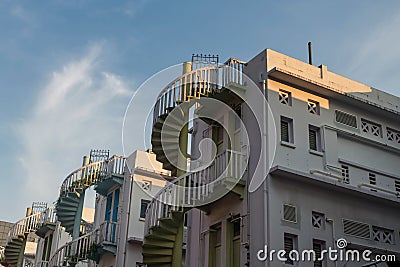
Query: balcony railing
91, 173
48, 216
25, 226
85, 247
198, 82
194, 187
42, 264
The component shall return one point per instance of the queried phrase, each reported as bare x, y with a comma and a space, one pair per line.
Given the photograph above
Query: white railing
85, 246
74, 251
198, 82
107, 232
25, 226
86, 227
91, 173
48, 216
191, 189
42, 264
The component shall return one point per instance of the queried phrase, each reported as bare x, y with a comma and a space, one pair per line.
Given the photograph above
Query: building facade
292, 157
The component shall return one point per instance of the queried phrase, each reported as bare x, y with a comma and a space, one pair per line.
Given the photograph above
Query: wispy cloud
377, 57
80, 108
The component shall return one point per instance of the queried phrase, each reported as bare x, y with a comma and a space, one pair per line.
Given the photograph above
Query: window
371, 128
382, 235
146, 185
345, 174
287, 130
317, 219
289, 213
285, 97
314, 138
346, 118
289, 244
318, 246
372, 180
313, 107
143, 208
393, 135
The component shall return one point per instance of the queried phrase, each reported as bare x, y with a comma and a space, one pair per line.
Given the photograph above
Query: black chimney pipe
310, 53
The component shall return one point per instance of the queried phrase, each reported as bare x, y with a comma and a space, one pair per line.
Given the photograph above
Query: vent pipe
310, 53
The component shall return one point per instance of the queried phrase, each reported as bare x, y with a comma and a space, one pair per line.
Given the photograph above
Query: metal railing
24, 226
198, 82
190, 189
86, 227
48, 216
85, 247
91, 173
42, 264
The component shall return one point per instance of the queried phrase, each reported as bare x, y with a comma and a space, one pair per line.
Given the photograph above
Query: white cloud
80, 108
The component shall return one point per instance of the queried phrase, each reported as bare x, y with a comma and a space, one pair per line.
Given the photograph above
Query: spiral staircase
102, 174
163, 238
18, 235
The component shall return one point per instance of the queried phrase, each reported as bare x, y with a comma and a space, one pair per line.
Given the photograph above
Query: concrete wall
361, 152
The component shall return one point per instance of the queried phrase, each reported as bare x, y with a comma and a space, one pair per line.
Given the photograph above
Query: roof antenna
310, 53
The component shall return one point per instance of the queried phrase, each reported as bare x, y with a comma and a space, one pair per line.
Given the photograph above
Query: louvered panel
346, 118
357, 229
312, 139
289, 213
285, 131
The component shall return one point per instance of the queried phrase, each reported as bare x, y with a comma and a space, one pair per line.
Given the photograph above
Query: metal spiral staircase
70, 201
18, 235
162, 244
102, 174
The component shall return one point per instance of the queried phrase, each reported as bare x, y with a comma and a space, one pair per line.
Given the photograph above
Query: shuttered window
288, 246
287, 130
312, 138
318, 246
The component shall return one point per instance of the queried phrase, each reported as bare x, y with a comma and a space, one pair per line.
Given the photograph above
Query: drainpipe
266, 165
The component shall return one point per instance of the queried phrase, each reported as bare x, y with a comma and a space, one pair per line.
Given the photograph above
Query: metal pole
310, 53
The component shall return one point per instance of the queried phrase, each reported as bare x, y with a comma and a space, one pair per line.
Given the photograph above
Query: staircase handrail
180, 189
24, 226
89, 174
84, 243
198, 81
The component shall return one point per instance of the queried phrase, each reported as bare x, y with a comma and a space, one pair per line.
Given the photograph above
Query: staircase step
157, 233
159, 259
156, 252
150, 243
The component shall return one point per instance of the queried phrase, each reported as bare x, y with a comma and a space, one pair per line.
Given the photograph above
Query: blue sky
69, 67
